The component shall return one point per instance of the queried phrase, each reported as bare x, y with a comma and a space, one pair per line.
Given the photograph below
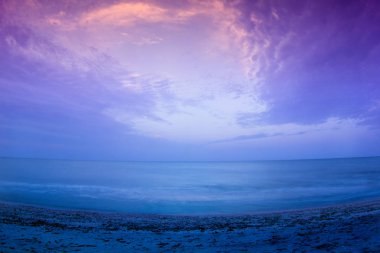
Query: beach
189, 126
351, 227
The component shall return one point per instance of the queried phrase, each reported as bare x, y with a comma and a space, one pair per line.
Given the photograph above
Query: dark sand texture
344, 228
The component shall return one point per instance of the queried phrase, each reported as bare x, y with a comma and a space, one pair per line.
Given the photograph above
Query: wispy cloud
329, 127
198, 71
131, 13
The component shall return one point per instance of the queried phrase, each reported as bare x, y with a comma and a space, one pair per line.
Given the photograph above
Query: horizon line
188, 161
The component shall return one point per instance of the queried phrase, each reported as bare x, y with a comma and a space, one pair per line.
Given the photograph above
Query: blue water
189, 187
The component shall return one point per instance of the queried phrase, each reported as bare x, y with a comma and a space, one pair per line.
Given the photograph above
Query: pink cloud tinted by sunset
244, 78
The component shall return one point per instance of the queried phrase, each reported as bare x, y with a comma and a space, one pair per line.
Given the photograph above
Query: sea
189, 188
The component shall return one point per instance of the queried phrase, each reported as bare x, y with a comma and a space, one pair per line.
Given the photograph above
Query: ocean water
189, 187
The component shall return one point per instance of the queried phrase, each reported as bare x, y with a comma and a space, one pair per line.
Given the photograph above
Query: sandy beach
344, 228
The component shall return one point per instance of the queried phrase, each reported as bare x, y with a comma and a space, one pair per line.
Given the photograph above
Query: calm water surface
189, 187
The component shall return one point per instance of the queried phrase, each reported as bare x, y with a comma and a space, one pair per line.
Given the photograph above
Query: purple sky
189, 80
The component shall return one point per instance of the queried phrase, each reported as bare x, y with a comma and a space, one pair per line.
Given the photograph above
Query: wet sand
344, 228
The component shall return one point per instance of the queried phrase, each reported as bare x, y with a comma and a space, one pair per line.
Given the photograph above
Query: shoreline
344, 227
358, 202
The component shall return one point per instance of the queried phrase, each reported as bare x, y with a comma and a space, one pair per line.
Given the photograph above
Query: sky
189, 80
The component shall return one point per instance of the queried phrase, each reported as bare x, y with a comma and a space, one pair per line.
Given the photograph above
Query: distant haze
189, 187
189, 80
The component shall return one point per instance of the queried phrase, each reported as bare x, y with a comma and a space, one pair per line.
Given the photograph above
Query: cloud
127, 14
195, 71
211, 85
330, 127
193, 121
320, 68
